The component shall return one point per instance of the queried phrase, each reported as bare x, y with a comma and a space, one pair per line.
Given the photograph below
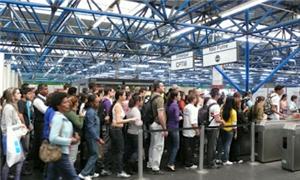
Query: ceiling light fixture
241, 8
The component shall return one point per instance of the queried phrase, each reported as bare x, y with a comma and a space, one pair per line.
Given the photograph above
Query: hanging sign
221, 54
182, 61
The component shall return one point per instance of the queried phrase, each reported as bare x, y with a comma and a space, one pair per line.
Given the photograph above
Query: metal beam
283, 63
228, 79
247, 52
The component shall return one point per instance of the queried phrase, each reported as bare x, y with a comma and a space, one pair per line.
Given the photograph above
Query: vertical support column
140, 154
13, 78
252, 142
7, 75
247, 52
1, 73
201, 148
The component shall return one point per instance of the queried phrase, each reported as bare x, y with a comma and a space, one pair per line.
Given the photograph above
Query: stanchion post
201, 148
140, 154
252, 142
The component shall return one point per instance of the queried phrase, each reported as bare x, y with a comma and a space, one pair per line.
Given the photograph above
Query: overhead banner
182, 61
221, 54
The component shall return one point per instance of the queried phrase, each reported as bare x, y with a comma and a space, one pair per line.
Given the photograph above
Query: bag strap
151, 102
211, 105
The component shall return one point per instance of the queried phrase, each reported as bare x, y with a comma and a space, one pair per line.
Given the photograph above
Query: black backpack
203, 115
147, 111
102, 112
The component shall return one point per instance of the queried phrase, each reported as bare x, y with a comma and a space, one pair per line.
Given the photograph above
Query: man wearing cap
275, 102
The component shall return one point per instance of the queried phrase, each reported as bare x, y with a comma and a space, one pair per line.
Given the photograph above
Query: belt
116, 127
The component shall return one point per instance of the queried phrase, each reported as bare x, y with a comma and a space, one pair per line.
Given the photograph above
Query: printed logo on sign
218, 58
181, 63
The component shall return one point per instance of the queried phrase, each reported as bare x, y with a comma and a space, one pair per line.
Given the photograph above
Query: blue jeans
173, 147
226, 139
93, 149
62, 168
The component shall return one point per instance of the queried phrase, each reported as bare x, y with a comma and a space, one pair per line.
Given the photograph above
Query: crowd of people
101, 126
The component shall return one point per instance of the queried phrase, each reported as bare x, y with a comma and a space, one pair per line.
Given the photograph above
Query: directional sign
221, 54
182, 61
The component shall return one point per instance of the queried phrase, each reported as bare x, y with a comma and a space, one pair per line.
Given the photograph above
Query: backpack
203, 115
250, 114
268, 105
147, 111
244, 103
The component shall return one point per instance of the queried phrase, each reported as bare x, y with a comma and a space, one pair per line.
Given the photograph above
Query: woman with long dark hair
92, 137
173, 114
116, 133
229, 115
10, 117
131, 155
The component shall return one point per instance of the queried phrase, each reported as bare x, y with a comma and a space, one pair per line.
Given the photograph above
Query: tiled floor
269, 171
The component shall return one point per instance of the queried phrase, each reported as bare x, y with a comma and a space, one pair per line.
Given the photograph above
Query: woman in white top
293, 104
131, 155
116, 134
10, 117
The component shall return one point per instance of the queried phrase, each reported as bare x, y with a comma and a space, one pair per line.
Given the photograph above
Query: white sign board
182, 61
217, 78
221, 54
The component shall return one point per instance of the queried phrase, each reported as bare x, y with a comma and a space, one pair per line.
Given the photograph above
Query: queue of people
111, 118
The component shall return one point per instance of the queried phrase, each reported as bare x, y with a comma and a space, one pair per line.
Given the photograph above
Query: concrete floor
269, 171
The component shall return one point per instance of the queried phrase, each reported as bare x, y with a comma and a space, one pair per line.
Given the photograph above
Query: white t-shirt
275, 101
293, 107
190, 116
214, 110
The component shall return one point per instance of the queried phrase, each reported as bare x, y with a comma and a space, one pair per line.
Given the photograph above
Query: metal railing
201, 144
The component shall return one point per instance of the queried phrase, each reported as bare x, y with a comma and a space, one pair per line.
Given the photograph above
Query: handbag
49, 152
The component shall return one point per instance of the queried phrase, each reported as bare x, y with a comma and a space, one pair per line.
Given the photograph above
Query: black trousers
189, 148
38, 138
117, 149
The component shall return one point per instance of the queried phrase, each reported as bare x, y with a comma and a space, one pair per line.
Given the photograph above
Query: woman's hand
100, 141
75, 138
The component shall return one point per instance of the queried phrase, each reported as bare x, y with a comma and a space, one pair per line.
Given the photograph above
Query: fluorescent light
99, 21
158, 62
146, 73
144, 46
80, 40
126, 69
51, 69
241, 8
181, 31
276, 58
140, 65
251, 40
97, 65
62, 58
159, 71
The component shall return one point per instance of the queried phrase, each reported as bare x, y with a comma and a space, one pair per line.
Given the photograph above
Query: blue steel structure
79, 39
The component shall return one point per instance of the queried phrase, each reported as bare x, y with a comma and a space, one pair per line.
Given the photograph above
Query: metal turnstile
291, 147
268, 135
